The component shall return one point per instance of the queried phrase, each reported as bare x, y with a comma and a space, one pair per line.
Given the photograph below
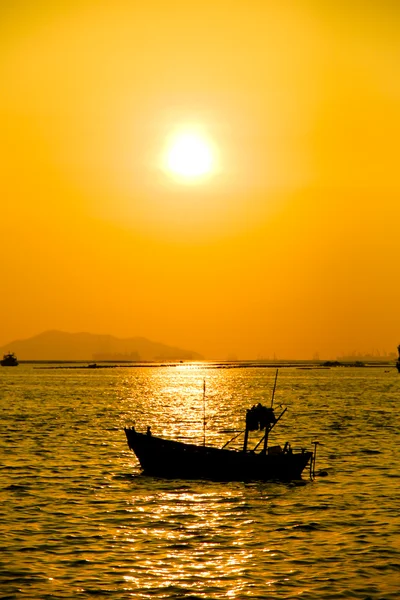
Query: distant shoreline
245, 364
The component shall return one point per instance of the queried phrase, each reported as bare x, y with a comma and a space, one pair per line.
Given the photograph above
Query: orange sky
289, 247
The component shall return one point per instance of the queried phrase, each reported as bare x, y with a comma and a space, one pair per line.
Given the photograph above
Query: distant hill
59, 345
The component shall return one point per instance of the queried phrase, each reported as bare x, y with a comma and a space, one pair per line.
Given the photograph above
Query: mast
246, 437
268, 426
273, 391
204, 412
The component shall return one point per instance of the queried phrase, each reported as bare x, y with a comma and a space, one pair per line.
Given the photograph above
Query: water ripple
77, 518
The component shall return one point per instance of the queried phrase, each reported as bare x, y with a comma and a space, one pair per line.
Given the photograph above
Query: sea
78, 519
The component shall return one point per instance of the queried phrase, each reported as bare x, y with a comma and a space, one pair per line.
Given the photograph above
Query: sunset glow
220, 177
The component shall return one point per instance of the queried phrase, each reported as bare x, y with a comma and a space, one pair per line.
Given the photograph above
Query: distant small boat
9, 360
398, 360
160, 457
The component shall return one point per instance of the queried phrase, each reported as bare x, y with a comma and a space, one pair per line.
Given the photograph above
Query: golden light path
189, 156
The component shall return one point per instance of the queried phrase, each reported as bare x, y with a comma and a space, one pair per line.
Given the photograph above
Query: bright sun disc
189, 156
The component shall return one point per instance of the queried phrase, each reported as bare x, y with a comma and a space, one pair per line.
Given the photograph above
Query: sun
189, 156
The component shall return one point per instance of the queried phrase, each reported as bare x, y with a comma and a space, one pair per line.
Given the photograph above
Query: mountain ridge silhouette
61, 345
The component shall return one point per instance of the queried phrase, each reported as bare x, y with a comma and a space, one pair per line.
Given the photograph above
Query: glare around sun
189, 155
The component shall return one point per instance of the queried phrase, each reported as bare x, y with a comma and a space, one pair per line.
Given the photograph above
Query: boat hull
9, 363
165, 458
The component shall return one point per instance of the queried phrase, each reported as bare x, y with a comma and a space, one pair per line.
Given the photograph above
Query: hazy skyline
288, 246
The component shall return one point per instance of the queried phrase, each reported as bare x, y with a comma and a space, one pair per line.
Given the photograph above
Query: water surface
78, 520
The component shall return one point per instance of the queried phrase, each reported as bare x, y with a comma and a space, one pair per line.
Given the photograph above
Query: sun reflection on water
206, 546
179, 397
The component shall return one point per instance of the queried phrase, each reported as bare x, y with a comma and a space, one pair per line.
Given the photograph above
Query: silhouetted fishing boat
178, 460
9, 360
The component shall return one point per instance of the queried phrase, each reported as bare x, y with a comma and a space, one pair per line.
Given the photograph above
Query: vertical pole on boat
313, 460
273, 391
268, 425
246, 437
267, 430
204, 412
